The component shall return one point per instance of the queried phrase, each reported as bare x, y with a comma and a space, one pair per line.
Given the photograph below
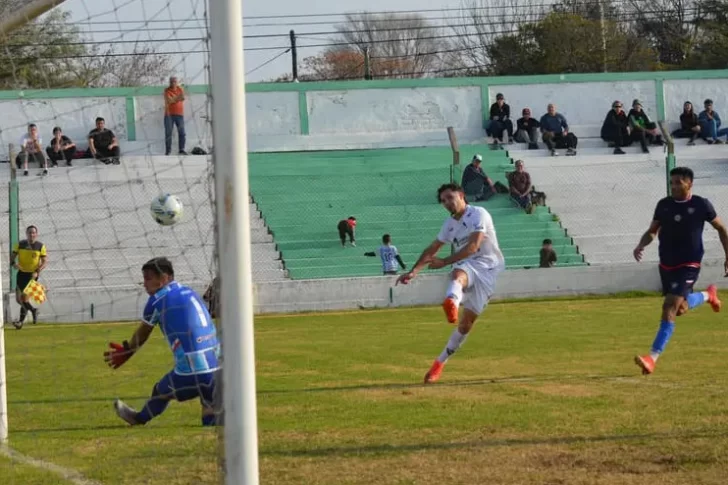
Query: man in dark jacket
616, 130
500, 119
476, 184
642, 125
527, 129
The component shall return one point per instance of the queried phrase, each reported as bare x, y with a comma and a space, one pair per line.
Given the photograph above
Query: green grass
543, 392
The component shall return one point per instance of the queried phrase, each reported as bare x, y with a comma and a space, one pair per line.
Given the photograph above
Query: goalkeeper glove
118, 354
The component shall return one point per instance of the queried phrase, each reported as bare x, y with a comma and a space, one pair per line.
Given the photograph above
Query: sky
175, 26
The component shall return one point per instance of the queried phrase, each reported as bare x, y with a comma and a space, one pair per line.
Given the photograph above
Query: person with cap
475, 180
346, 227
689, 124
616, 130
556, 132
709, 120
500, 120
642, 125
527, 130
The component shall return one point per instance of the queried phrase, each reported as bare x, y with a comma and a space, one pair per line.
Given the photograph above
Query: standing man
31, 259
174, 115
102, 143
31, 148
477, 260
679, 220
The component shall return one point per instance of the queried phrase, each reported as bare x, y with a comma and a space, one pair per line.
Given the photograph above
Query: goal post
3, 376
230, 156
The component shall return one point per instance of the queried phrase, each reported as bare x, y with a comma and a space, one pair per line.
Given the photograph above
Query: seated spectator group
102, 145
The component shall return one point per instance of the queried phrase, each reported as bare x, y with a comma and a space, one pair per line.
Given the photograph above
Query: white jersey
388, 254
27, 143
475, 219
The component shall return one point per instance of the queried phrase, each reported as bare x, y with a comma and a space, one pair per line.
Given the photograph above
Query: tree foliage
50, 52
399, 46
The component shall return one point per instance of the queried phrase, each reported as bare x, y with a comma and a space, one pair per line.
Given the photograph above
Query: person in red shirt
174, 111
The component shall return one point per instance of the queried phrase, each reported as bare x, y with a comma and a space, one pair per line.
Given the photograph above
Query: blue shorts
679, 281
184, 388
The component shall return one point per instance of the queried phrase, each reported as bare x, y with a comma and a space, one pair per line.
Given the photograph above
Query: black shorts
679, 281
23, 279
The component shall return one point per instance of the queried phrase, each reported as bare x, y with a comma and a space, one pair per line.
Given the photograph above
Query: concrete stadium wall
358, 114
378, 292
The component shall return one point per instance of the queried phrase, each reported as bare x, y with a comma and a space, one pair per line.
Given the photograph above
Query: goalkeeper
186, 324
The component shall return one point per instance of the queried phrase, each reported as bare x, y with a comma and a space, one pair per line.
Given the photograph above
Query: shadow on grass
119, 427
460, 383
488, 443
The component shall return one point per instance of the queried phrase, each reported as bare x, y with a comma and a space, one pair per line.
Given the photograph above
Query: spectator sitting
474, 181
31, 148
640, 122
519, 184
527, 130
547, 254
346, 227
709, 120
689, 124
61, 148
556, 132
500, 119
102, 143
616, 130
389, 255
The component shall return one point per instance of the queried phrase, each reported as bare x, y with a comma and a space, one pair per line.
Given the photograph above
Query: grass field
541, 393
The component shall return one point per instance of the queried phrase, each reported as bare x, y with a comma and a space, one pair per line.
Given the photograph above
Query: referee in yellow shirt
31, 259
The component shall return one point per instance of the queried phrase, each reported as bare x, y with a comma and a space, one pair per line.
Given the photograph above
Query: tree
711, 45
50, 52
566, 37
669, 26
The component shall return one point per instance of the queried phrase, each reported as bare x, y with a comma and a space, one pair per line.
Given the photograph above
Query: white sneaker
125, 412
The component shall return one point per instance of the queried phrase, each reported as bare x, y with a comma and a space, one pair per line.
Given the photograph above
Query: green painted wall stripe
660, 98
131, 118
376, 84
303, 112
485, 103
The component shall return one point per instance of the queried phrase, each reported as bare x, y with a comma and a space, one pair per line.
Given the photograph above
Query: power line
268, 61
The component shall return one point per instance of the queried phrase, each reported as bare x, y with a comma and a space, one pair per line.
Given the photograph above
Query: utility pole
367, 65
294, 57
602, 28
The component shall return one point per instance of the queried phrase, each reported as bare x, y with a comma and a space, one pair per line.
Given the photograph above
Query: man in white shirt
31, 148
477, 261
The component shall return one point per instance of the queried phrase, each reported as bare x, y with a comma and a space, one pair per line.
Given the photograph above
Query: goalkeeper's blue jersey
190, 332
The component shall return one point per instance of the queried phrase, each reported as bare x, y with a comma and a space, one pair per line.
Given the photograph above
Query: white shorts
481, 284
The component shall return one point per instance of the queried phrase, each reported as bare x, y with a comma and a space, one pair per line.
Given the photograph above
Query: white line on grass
66, 473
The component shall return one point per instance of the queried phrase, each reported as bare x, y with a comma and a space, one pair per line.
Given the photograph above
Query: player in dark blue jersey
185, 322
679, 220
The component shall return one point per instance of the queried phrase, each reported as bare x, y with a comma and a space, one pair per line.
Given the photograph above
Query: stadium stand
302, 196
96, 224
606, 201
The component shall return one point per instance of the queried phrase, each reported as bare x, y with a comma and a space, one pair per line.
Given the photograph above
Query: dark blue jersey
681, 230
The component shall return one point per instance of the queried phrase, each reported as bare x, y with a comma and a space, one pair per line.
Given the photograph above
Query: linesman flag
36, 292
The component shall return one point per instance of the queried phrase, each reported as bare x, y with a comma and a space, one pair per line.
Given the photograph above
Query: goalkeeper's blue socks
153, 407
697, 299
662, 338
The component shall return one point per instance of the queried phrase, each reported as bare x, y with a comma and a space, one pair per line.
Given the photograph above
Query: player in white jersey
477, 261
391, 260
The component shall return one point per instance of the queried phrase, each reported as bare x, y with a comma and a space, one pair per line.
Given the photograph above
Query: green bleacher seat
302, 197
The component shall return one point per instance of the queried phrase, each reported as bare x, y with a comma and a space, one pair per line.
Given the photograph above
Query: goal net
88, 142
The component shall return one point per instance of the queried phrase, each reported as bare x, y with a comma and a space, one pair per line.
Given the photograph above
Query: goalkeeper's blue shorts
184, 388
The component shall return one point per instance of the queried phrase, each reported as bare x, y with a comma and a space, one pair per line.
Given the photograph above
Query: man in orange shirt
174, 110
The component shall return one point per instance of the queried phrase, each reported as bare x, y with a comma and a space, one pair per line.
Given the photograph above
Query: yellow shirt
29, 255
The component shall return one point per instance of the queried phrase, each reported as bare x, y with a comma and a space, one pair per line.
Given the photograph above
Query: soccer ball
166, 209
